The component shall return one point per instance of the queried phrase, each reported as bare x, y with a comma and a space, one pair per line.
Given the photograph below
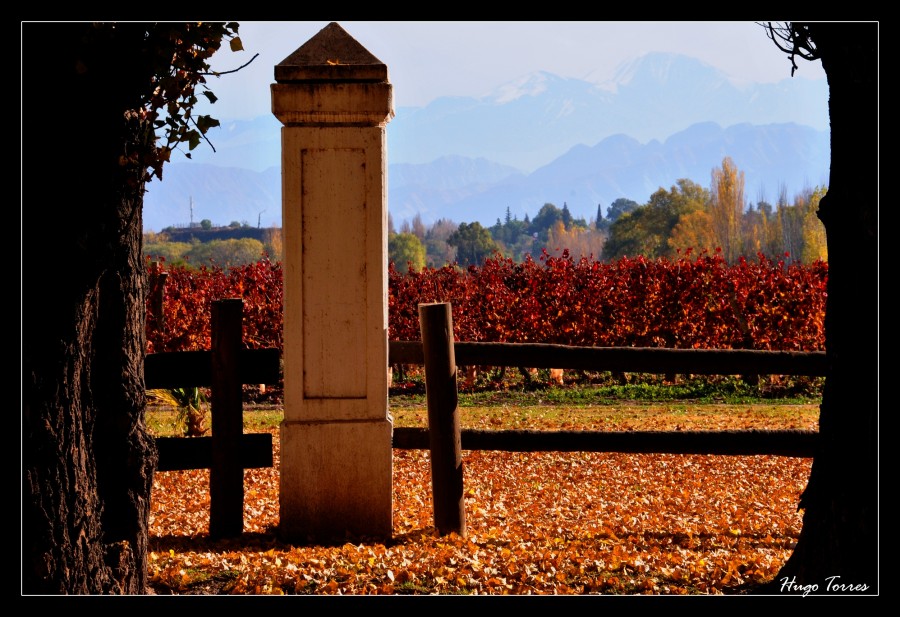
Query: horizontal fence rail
187, 369
794, 443
445, 438
224, 369
254, 451
194, 368
624, 359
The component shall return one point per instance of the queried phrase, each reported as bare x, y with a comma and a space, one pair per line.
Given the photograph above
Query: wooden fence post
436, 323
226, 476
158, 294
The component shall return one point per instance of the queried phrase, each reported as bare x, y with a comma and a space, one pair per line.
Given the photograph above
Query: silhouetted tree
88, 458
840, 503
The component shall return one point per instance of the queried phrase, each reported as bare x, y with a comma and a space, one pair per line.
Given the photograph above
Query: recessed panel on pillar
333, 196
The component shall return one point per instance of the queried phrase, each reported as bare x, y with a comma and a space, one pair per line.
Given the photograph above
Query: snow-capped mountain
539, 138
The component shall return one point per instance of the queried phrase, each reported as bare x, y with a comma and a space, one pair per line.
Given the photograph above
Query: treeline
226, 253
551, 231
683, 220
689, 217
686, 219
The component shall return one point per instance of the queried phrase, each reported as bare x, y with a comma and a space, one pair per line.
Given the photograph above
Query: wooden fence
440, 356
224, 369
623, 359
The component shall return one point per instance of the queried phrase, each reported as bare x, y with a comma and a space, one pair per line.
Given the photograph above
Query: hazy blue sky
429, 59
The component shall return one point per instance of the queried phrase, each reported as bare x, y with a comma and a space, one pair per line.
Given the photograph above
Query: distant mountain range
538, 139
619, 166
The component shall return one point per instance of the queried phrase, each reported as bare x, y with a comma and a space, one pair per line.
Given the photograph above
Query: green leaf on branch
193, 139
204, 123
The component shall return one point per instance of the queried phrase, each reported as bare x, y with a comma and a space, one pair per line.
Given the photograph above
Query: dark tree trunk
840, 504
88, 459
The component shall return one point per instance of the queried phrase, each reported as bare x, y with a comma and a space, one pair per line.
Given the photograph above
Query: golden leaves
538, 523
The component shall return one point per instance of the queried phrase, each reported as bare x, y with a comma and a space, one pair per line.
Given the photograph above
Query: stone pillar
334, 99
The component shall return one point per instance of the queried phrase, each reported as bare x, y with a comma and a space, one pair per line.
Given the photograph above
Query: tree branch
218, 73
203, 134
794, 40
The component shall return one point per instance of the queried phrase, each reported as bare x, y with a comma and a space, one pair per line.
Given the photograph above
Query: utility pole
192, 211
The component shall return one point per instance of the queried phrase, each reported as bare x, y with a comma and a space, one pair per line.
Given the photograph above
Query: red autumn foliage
699, 303
538, 523
188, 299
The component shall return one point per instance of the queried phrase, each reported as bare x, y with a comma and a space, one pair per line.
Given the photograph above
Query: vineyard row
699, 303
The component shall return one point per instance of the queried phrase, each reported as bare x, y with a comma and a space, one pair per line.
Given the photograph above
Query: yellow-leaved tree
693, 233
814, 245
726, 208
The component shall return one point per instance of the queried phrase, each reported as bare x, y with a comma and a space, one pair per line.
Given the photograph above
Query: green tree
512, 238
170, 252
619, 207
406, 251
647, 229
579, 223
566, 216
226, 253
87, 456
206, 224
840, 504
544, 219
631, 235
514, 229
473, 244
496, 231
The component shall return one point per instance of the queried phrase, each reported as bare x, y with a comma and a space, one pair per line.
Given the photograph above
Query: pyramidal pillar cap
331, 55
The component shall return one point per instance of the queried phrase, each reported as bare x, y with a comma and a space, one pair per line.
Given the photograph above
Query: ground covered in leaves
537, 523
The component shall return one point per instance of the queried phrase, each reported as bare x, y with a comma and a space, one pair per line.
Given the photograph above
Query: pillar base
336, 482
